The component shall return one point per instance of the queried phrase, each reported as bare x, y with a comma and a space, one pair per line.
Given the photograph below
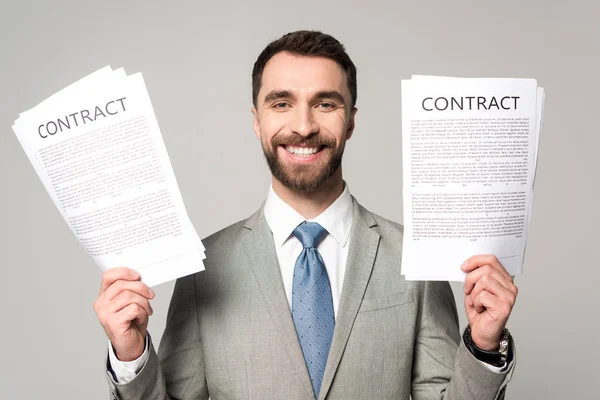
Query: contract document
469, 150
97, 148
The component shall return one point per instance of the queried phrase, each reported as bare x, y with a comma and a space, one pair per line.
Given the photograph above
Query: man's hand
123, 309
490, 295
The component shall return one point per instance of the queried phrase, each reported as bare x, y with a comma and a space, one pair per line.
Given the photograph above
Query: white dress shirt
282, 220
337, 221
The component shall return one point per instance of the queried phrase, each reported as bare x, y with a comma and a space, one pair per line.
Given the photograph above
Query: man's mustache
297, 140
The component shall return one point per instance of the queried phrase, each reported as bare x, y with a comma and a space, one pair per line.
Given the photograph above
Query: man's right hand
123, 309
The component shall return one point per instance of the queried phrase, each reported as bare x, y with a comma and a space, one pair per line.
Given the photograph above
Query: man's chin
302, 186
302, 178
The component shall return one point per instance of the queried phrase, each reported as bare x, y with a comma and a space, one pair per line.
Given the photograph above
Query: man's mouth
303, 151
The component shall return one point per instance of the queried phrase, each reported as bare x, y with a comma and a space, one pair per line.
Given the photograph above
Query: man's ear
256, 124
350, 129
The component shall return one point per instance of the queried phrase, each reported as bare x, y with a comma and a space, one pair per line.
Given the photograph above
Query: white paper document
97, 148
469, 150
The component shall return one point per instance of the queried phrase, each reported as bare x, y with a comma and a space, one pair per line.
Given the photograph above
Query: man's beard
303, 178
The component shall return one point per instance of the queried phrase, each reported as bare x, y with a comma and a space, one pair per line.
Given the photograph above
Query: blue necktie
312, 305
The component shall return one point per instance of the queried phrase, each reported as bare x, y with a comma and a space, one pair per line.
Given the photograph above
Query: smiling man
303, 115
304, 299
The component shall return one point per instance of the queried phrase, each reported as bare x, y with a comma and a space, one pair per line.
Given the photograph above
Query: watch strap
494, 358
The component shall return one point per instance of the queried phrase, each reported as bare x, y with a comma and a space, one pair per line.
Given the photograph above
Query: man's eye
327, 106
281, 105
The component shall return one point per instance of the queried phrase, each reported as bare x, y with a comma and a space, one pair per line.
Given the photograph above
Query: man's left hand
490, 295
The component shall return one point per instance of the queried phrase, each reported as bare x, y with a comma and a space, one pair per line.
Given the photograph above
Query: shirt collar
283, 219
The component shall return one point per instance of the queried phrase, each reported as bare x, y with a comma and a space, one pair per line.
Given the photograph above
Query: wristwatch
494, 358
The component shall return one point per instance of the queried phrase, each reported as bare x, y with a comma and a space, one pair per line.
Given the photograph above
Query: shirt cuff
126, 371
493, 368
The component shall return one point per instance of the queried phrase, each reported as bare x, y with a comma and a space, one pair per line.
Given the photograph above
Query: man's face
303, 118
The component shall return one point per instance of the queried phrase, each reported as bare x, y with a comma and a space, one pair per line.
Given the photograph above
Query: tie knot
310, 234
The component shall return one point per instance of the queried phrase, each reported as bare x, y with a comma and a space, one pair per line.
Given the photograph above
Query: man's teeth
302, 151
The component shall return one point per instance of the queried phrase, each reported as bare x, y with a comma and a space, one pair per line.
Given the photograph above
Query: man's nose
303, 122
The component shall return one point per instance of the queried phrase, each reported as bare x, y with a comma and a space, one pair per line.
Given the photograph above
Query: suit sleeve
443, 368
176, 372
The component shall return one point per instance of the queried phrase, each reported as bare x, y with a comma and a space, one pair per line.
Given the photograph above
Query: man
305, 299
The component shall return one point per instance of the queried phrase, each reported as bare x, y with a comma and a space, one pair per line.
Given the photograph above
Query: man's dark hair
306, 43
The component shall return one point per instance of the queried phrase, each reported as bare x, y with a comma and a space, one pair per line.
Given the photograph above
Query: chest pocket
392, 300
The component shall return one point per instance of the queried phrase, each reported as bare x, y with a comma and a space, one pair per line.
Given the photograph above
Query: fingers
127, 297
490, 285
480, 260
134, 286
491, 295
121, 273
474, 276
132, 312
121, 292
487, 301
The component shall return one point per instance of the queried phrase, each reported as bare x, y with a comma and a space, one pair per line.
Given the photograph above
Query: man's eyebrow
278, 94
330, 94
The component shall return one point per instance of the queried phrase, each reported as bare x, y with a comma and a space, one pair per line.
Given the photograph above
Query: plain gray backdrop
197, 58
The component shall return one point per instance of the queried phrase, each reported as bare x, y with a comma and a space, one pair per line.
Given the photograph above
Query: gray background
197, 58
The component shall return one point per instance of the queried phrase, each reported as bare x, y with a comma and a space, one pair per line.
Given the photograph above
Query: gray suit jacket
230, 332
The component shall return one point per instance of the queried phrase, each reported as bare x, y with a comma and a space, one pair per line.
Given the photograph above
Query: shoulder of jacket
224, 236
387, 227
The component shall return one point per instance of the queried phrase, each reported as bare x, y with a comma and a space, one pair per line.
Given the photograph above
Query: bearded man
304, 299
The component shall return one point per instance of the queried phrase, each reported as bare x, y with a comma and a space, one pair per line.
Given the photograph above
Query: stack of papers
469, 150
98, 150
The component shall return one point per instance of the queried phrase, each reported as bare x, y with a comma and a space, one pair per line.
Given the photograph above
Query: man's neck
310, 205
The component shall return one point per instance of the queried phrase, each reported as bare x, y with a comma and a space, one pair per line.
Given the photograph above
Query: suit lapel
260, 250
364, 242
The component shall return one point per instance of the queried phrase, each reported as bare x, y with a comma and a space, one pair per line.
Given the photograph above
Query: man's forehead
303, 75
